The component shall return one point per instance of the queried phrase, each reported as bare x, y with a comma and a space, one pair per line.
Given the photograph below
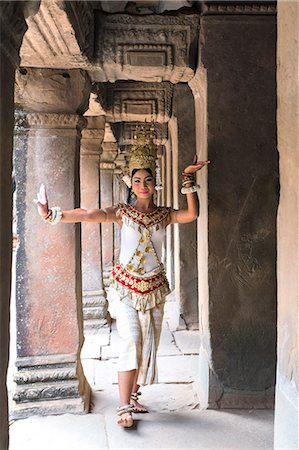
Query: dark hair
130, 189
136, 170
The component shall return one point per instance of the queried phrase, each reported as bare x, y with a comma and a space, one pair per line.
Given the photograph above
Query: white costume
141, 285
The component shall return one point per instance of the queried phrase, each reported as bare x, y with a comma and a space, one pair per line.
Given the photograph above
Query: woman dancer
138, 277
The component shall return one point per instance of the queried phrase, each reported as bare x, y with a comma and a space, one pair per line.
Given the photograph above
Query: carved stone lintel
138, 102
164, 46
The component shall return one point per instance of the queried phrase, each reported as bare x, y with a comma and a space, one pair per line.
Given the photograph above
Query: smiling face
143, 184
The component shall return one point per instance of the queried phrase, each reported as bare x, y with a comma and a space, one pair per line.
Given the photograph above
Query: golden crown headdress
143, 154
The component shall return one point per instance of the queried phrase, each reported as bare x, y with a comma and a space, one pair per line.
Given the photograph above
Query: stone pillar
243, 197
94, 296
12, 29
107, 166
184, 148
286, 427
169, 202
198, 86
119, 196
49, 377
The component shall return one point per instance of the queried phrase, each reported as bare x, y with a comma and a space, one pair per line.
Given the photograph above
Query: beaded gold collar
142, 218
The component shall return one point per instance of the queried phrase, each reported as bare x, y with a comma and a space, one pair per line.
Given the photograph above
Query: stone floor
175, 420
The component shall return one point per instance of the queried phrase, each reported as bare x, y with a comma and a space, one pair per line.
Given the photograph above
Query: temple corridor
215, 79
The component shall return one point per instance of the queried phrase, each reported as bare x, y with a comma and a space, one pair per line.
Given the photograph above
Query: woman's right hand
42, 202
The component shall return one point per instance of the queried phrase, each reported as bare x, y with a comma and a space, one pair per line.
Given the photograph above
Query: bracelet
55, 217
191, 189
188, 176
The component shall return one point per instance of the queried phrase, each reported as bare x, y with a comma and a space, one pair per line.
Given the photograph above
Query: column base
221, 397
47, 408
49, 385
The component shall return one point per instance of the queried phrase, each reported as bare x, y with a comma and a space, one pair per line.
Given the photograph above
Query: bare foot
125, 420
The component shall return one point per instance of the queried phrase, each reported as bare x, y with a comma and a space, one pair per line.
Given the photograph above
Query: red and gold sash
139, 285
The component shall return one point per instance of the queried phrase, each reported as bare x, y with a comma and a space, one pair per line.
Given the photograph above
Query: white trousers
139, 339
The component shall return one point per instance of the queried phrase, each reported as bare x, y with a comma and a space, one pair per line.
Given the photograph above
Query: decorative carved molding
107, 166
25, 120
241, 7
91, 133
12, 29
43, 375
146, 48
39, 393
127, 101
60, 35
51, 381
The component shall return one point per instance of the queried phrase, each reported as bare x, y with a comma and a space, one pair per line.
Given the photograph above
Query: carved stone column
169, 202
198, 86
94, 297
49, 377
119, 196
12, 29
107, 166
185, 240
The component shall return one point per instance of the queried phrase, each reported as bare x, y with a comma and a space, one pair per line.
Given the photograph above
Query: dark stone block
239, 55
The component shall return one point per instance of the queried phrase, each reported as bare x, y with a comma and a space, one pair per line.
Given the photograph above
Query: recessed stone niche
129, 101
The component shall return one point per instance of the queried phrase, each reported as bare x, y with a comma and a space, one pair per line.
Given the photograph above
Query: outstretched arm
75, 215
191, 213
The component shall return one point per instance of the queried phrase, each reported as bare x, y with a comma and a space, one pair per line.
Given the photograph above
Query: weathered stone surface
147, 48
12, 28
243, 197
188, 341
94, 296
128, 102
177, 369
67, 90
287, 387
183, 140
107, 168
60, 35
167, 345
200, 430
67, 432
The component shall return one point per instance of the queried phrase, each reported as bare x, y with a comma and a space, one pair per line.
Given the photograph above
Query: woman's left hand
196, 165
